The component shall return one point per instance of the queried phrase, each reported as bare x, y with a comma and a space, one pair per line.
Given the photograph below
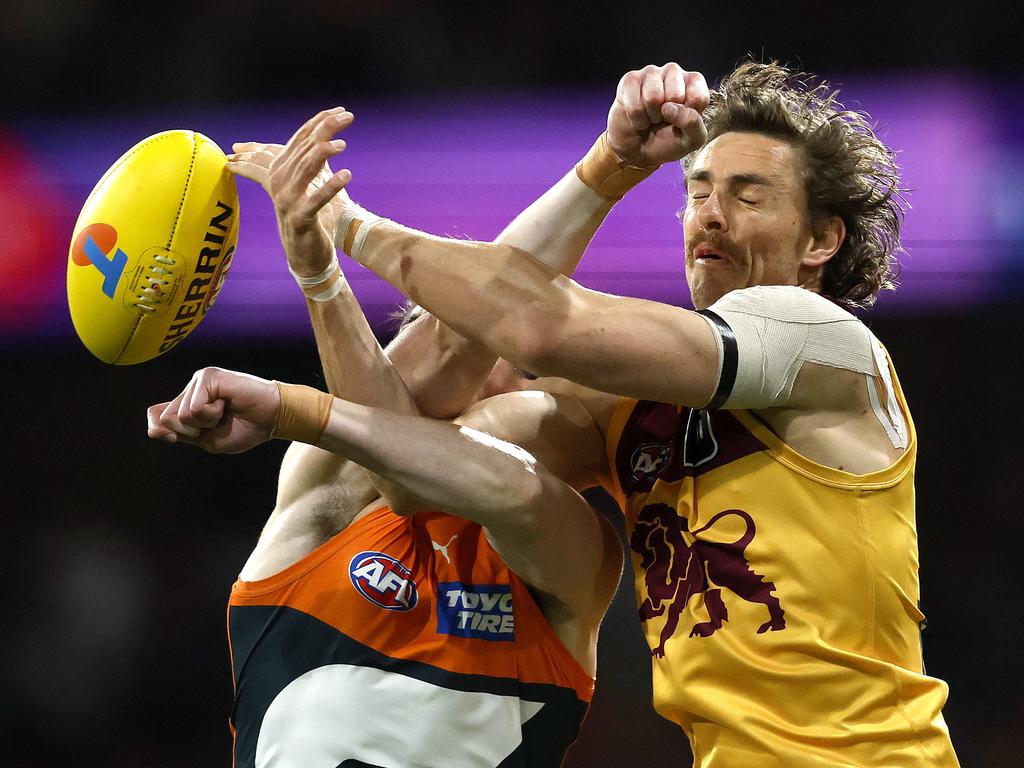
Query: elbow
523, 502
534, 340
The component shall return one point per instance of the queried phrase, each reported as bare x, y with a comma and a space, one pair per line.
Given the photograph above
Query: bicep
632, 347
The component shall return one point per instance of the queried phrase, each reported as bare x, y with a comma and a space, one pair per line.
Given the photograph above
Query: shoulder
786, 303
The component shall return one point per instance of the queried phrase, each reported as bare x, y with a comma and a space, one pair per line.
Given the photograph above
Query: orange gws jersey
403, 642
779, 597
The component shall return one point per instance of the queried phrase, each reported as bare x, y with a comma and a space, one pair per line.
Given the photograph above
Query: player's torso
779, 597
401, 641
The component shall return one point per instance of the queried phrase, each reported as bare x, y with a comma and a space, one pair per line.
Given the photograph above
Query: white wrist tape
364, 230
331, 291
323, 277
353, 213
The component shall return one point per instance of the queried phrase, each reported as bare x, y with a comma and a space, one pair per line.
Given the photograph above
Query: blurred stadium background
119, 552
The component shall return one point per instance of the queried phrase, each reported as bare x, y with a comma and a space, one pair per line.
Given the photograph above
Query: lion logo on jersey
675, 571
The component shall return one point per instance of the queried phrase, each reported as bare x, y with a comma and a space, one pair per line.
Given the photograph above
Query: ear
827, 235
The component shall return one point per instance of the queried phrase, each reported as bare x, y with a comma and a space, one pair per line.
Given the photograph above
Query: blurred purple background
464, 165
119, 552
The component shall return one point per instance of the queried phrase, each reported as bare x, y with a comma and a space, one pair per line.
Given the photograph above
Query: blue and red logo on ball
97, 245
384, 581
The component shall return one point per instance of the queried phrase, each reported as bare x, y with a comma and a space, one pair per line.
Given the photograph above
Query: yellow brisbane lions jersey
402, 641
779, 597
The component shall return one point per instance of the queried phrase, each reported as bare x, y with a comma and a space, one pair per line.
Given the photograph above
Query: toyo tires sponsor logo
383, 580
482, 611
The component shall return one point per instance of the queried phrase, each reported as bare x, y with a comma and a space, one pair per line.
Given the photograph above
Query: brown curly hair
848, 172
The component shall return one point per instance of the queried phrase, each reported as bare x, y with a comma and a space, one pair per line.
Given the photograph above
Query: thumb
687, 120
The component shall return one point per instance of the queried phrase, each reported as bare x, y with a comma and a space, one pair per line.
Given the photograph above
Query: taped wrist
604, 173
303, 413
324, 286
353, 226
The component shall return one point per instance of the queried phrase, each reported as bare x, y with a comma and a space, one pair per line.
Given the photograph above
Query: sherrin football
152, 247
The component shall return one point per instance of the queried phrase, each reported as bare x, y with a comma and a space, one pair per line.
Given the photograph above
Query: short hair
848, 172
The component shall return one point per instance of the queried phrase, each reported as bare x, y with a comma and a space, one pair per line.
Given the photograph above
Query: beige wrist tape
303, 413
603, 172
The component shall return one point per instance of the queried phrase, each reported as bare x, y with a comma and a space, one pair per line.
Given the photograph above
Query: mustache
717, 242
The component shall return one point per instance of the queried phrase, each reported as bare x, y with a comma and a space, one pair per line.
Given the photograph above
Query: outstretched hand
307, 195
220, 411
656, 117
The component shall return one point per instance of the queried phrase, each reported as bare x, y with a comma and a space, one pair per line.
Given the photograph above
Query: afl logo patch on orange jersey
383, 580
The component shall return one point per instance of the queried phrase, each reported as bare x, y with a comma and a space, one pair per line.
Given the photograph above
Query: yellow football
152, 247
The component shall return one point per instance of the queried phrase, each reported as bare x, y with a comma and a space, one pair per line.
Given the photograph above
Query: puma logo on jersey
383, 580
443, 548
482, 611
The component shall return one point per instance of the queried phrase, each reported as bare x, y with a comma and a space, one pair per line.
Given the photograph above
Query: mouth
705, 254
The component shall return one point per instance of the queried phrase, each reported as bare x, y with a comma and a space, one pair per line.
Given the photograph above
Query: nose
710, 216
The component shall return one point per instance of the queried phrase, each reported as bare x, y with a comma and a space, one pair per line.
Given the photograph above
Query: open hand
307, 195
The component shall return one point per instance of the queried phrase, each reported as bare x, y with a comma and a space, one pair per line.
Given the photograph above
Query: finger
323, 132
205, 410
652, 93
324, 128
697, 94
183, 415
327, 192
316, 161
298, 139
674, 78
154, 428
256, 146
688, 124
260, 156
248, 170
629, 100
170, 421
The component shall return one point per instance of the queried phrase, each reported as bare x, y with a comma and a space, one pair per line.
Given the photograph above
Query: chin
703, 296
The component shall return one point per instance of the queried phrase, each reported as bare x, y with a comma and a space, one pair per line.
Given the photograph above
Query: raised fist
656, 117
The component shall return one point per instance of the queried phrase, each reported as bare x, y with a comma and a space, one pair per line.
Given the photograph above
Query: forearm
441, 368
543, 321
557, 228
354, 365
448, 467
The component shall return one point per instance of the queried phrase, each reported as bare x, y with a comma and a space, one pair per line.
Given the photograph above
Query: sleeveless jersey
402, 641
779, 597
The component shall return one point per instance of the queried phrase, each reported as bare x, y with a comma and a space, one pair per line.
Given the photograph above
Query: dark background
118, 552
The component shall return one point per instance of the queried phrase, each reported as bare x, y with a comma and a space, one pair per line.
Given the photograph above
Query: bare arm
542, 528
507, 299
547, 323
441, 368
319, 492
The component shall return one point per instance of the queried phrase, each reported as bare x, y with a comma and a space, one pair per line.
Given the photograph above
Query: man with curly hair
760, 445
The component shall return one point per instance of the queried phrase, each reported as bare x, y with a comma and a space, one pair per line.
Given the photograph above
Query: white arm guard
773, 330
765, 334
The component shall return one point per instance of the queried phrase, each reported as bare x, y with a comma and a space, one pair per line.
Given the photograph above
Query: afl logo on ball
383, 581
